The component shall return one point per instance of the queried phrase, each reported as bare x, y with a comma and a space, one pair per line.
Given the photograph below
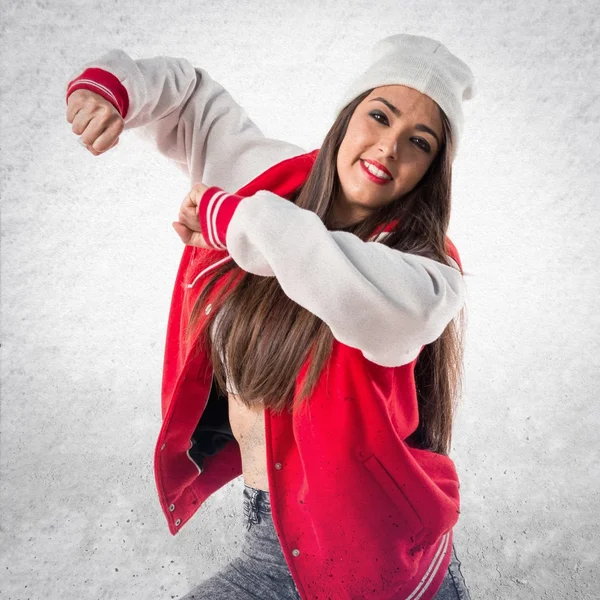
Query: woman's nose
388, 145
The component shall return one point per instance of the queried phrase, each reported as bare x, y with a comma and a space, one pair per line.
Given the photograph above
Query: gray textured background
89, 259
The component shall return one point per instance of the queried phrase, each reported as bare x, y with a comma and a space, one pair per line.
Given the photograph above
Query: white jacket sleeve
192, 119
385, 302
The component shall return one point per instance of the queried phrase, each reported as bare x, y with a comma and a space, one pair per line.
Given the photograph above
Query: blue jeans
260, 572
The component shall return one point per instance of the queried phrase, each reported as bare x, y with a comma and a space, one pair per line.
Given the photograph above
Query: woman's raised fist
95, 119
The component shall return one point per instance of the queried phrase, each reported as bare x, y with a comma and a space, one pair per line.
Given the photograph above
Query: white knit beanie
423, 64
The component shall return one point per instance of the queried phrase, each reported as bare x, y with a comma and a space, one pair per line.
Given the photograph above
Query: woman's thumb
182, 231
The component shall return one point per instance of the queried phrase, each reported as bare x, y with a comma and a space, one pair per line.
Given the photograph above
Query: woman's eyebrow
419, 126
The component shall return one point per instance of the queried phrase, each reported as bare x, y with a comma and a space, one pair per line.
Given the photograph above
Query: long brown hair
266, 336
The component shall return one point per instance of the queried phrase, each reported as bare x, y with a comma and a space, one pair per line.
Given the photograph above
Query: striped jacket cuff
104, 84
215, 211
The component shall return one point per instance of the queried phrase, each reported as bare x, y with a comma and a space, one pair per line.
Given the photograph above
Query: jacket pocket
407, 515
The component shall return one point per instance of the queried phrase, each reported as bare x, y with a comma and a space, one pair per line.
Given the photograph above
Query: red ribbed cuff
215, 212
103, 83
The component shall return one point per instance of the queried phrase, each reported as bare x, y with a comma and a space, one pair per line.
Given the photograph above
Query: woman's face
397, 130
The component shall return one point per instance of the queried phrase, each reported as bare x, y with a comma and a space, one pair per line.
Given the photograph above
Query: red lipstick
372, 177
378, 165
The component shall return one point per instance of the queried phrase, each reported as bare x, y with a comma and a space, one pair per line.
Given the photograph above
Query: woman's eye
379, 116
423, 144
382, 118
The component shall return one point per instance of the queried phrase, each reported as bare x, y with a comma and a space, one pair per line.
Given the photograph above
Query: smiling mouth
374, 174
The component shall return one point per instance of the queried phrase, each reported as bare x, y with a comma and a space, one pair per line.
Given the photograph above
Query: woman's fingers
88, 147
189, 220
189, 203
114, 143
95, 120
189, 237
102, 135
188, 213
183, 232
80, 121
188, 226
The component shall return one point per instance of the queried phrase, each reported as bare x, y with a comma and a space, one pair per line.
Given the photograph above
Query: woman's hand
95, 119
188, 226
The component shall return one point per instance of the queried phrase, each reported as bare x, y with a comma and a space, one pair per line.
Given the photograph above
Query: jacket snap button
278, 466
296, 552
172, 507
178, 522
207, 309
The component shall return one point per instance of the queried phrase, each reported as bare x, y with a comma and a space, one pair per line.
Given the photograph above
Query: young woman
314, 343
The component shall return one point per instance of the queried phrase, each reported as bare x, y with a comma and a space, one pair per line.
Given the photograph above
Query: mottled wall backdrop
89, 259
